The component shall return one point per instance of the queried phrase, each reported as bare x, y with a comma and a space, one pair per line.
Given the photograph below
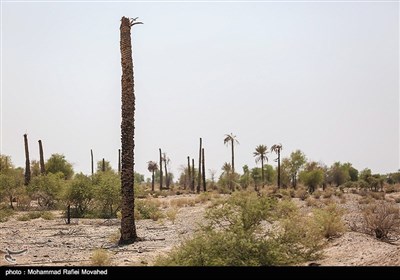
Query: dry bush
100, 257
328, 201
329, 220
397, 199
285, 209
339, 193
392, 188
114, 237
328, 193
317, 194
23, 218
354, 191
203, 197
363, 192
365, 200
377, 195
311, 201
302, 194
171, 214
47, 215
179, 202
381, 220
343, 200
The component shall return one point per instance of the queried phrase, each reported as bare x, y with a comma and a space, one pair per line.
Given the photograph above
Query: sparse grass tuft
147, 209
328, 193
5, 214
311, 201
302, 194
100, 257
171, 214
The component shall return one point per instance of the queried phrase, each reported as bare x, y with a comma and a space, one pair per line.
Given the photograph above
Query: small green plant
285, 209
329, 221
47, 215
100, 257
34, 215
5, 214
147, 209
23, 218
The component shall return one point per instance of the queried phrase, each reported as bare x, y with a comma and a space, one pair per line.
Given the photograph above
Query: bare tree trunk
103, 166
189, 172
279, 169
199, 175
128, 227
152, 181
233, 156
161, 173
41, 161
68, 214
119, 161
166, 173
203, 171
192, 187
27, 161
262, 171
91, 159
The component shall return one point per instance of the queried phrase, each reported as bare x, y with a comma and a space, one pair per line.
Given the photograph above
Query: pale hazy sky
320, 77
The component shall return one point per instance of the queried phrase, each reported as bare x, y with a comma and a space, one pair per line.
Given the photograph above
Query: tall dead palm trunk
91, 159
41, 161
189, 172
119, 161
277, 149
27, 161
161, 173
203, 169
192, 185
199, 175
103, 165
128, 227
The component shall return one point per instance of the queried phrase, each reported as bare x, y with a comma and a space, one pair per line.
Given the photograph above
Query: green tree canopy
57, 163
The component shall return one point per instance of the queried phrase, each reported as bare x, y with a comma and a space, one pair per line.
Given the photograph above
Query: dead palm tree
41, 161
277, 148
166, 161
152, 167
27, 161
261, 155
128, 227
230, 139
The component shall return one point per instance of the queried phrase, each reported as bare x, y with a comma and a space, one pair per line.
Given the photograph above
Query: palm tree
230, 139
161, 172
152, 167
199, 173
91, 158
128, 227
27, 161
261, 155
277, 148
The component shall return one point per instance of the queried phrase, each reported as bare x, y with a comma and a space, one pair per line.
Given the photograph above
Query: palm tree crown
230, 139
261, 153
152, 166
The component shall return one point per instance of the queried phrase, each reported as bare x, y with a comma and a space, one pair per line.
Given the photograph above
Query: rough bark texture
91, 159
161, 173
27, 161
203, 169
189, 172
128, 228
199, 175
41, 161
262, 171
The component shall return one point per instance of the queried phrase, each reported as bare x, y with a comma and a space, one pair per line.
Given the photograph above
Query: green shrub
5, 214
147, 209
234, 237
285, 209
329, 221
23, 218
47, 215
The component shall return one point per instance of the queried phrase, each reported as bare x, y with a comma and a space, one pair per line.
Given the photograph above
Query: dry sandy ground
53, 242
